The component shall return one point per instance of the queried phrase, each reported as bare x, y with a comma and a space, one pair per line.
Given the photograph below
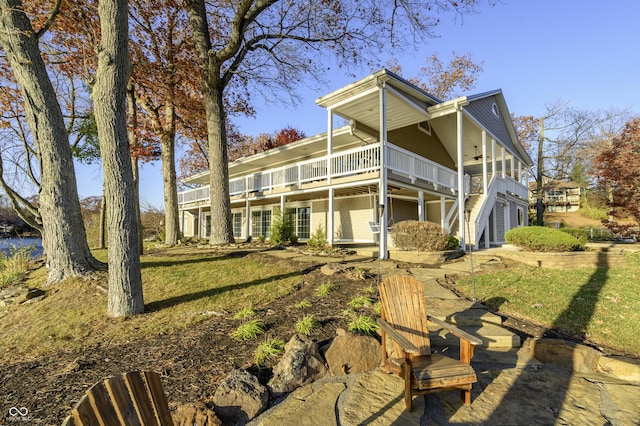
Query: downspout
382, 188
330, 214
460, 159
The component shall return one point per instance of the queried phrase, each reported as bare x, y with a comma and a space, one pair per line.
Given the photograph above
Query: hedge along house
402, 154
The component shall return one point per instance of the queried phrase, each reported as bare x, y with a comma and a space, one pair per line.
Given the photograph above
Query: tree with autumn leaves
269, 46
618, 167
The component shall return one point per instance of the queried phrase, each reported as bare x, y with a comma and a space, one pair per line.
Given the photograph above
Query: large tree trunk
221, 225
168, 156
64, 238
110, 104
213, 87
133, 141
539, 177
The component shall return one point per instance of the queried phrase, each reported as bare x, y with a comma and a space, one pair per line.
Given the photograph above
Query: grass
268, 348
182, 286
15, 265
306, 325
600, 305
249, 330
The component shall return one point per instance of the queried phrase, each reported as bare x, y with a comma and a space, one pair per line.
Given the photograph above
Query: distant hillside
575, 220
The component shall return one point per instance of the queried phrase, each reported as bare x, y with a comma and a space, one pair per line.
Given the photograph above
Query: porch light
476, 156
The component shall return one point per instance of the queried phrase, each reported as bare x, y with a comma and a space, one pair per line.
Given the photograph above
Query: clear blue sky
586, 52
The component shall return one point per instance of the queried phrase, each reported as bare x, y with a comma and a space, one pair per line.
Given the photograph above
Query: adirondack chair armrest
455, 331
407, 346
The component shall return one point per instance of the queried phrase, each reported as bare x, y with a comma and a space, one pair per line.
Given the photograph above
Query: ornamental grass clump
537, 238
249, 330
363, 324
306, 325
268, 349
413, 235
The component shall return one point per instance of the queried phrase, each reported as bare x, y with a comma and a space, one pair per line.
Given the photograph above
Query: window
520, 216
425, 127
260, 223
207, 226
495, 110
303, 222
237, 224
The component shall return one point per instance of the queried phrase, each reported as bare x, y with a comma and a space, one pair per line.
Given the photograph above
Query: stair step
462, 312
493, 337
470, 318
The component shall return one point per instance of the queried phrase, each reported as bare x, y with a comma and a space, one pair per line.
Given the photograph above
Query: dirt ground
191, 361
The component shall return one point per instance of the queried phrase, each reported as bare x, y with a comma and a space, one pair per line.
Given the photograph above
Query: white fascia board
408, 102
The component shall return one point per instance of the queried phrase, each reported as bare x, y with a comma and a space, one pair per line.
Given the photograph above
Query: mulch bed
191, 361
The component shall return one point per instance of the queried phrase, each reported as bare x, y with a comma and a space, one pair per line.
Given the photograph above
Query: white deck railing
355, 161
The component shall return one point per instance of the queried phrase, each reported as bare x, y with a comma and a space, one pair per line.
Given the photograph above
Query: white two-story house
399, 154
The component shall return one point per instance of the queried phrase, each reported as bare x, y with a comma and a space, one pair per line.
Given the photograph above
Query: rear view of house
401, 154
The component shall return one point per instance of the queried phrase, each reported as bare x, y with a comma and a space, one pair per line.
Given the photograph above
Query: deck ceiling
365, 109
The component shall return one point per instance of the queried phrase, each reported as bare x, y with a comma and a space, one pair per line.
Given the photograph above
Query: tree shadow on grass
574, 320
186, 298
163, 263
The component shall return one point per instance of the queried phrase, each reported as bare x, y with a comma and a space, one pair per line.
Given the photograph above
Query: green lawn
182, 286
602, 305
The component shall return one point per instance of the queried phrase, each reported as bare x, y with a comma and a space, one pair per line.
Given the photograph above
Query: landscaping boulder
240, 397
332, 268
352, 353
195, 414
300, 364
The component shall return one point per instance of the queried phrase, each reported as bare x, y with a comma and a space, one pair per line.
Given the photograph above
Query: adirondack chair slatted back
403, 306
134, 398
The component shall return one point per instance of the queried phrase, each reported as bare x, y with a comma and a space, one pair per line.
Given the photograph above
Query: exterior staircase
469, 316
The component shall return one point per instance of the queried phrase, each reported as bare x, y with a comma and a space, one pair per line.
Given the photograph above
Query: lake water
8, 244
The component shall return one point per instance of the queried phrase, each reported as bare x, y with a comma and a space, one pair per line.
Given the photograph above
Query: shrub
597, 213
306, 325
318, 240
414, 235
282, 230
581, 234
536, 238
452, 243
270, 348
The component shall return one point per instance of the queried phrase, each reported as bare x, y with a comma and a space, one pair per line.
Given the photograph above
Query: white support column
421, 215
485, 174
504, 162
513, 167
519, 171
382, 188
330, 221
247, 215
494, 154
198, 233
283, 200
182, 222
329, 143
443, 214
460, 160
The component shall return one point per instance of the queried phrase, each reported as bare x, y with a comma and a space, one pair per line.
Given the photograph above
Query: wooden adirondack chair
404, 321
134, 398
